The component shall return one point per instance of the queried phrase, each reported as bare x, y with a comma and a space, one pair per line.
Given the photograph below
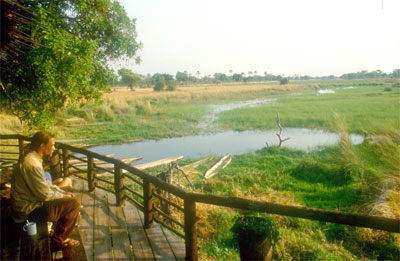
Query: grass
316, 180
358, 179
367, 108
129, 116
10, 124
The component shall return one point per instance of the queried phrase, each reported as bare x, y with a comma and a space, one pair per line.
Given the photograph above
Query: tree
113, 78
129, 78
160, 84
166, 76
396, 73
182, 76
73, 41
237, 77
222, 77
171, 85
284, 81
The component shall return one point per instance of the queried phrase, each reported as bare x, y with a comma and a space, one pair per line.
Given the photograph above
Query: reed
10, 124
106, 113
346, 156
387, 149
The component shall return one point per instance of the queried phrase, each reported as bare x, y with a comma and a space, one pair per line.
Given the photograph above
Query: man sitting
34, 198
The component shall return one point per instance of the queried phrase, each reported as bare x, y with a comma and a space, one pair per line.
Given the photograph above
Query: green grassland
365, 108
324, 179
132, 119
343, 177
346, 178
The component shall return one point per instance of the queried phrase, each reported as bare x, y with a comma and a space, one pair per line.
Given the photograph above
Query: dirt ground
199, 89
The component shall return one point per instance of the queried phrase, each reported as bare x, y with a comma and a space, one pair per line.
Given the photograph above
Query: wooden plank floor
116, 233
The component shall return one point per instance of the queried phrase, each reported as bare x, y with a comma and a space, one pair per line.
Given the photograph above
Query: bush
171, 85
284, 81
160, 84
317, 172
144, 107
255, 236
106, 113
250, 228
387, 89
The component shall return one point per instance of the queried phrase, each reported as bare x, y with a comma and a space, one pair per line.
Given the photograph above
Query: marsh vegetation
361, 178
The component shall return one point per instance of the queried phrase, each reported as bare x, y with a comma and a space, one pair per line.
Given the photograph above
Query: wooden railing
126, 179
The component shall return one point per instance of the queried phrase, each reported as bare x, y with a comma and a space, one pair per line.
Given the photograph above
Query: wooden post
170, 179
148, 204
119, 185
190, 229
66, 162
55, 165
90, 174
21, 147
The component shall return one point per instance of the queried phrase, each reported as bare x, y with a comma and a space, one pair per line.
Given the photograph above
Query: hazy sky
285, 37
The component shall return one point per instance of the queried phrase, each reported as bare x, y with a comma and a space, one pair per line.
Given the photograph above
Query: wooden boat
222, 163
139, 166
157, 163
196, 164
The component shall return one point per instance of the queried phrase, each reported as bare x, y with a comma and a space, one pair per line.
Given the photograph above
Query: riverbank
359, 179
128, 116
344, 177
145, 114
348, 178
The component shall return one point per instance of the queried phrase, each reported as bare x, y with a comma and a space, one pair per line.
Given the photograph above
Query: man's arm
37, 183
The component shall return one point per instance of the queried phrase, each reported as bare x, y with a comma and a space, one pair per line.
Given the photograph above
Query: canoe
222, 163
157, 163
196, 164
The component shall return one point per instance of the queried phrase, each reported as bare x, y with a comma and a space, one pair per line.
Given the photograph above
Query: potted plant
255, 236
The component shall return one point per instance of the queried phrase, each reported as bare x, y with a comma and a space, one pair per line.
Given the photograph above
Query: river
218, 144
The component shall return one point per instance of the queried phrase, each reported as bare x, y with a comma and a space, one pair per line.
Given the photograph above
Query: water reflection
222, 143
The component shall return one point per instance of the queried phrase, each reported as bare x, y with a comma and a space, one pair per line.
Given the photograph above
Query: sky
281, 37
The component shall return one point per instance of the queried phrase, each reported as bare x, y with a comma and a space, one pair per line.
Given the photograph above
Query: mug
30, 228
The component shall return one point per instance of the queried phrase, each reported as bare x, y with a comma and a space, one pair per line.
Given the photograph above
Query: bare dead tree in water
278, 121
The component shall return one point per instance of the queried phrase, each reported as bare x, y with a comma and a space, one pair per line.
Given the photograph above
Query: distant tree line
372, 74
169, 82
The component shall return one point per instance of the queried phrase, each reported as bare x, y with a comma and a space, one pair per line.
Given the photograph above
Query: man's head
43, 143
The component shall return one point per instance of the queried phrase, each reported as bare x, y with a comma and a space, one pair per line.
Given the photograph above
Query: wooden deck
111, 232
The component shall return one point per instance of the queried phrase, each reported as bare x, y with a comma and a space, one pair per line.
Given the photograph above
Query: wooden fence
146, 192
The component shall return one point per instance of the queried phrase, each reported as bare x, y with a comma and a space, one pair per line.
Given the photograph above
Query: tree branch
278, 121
